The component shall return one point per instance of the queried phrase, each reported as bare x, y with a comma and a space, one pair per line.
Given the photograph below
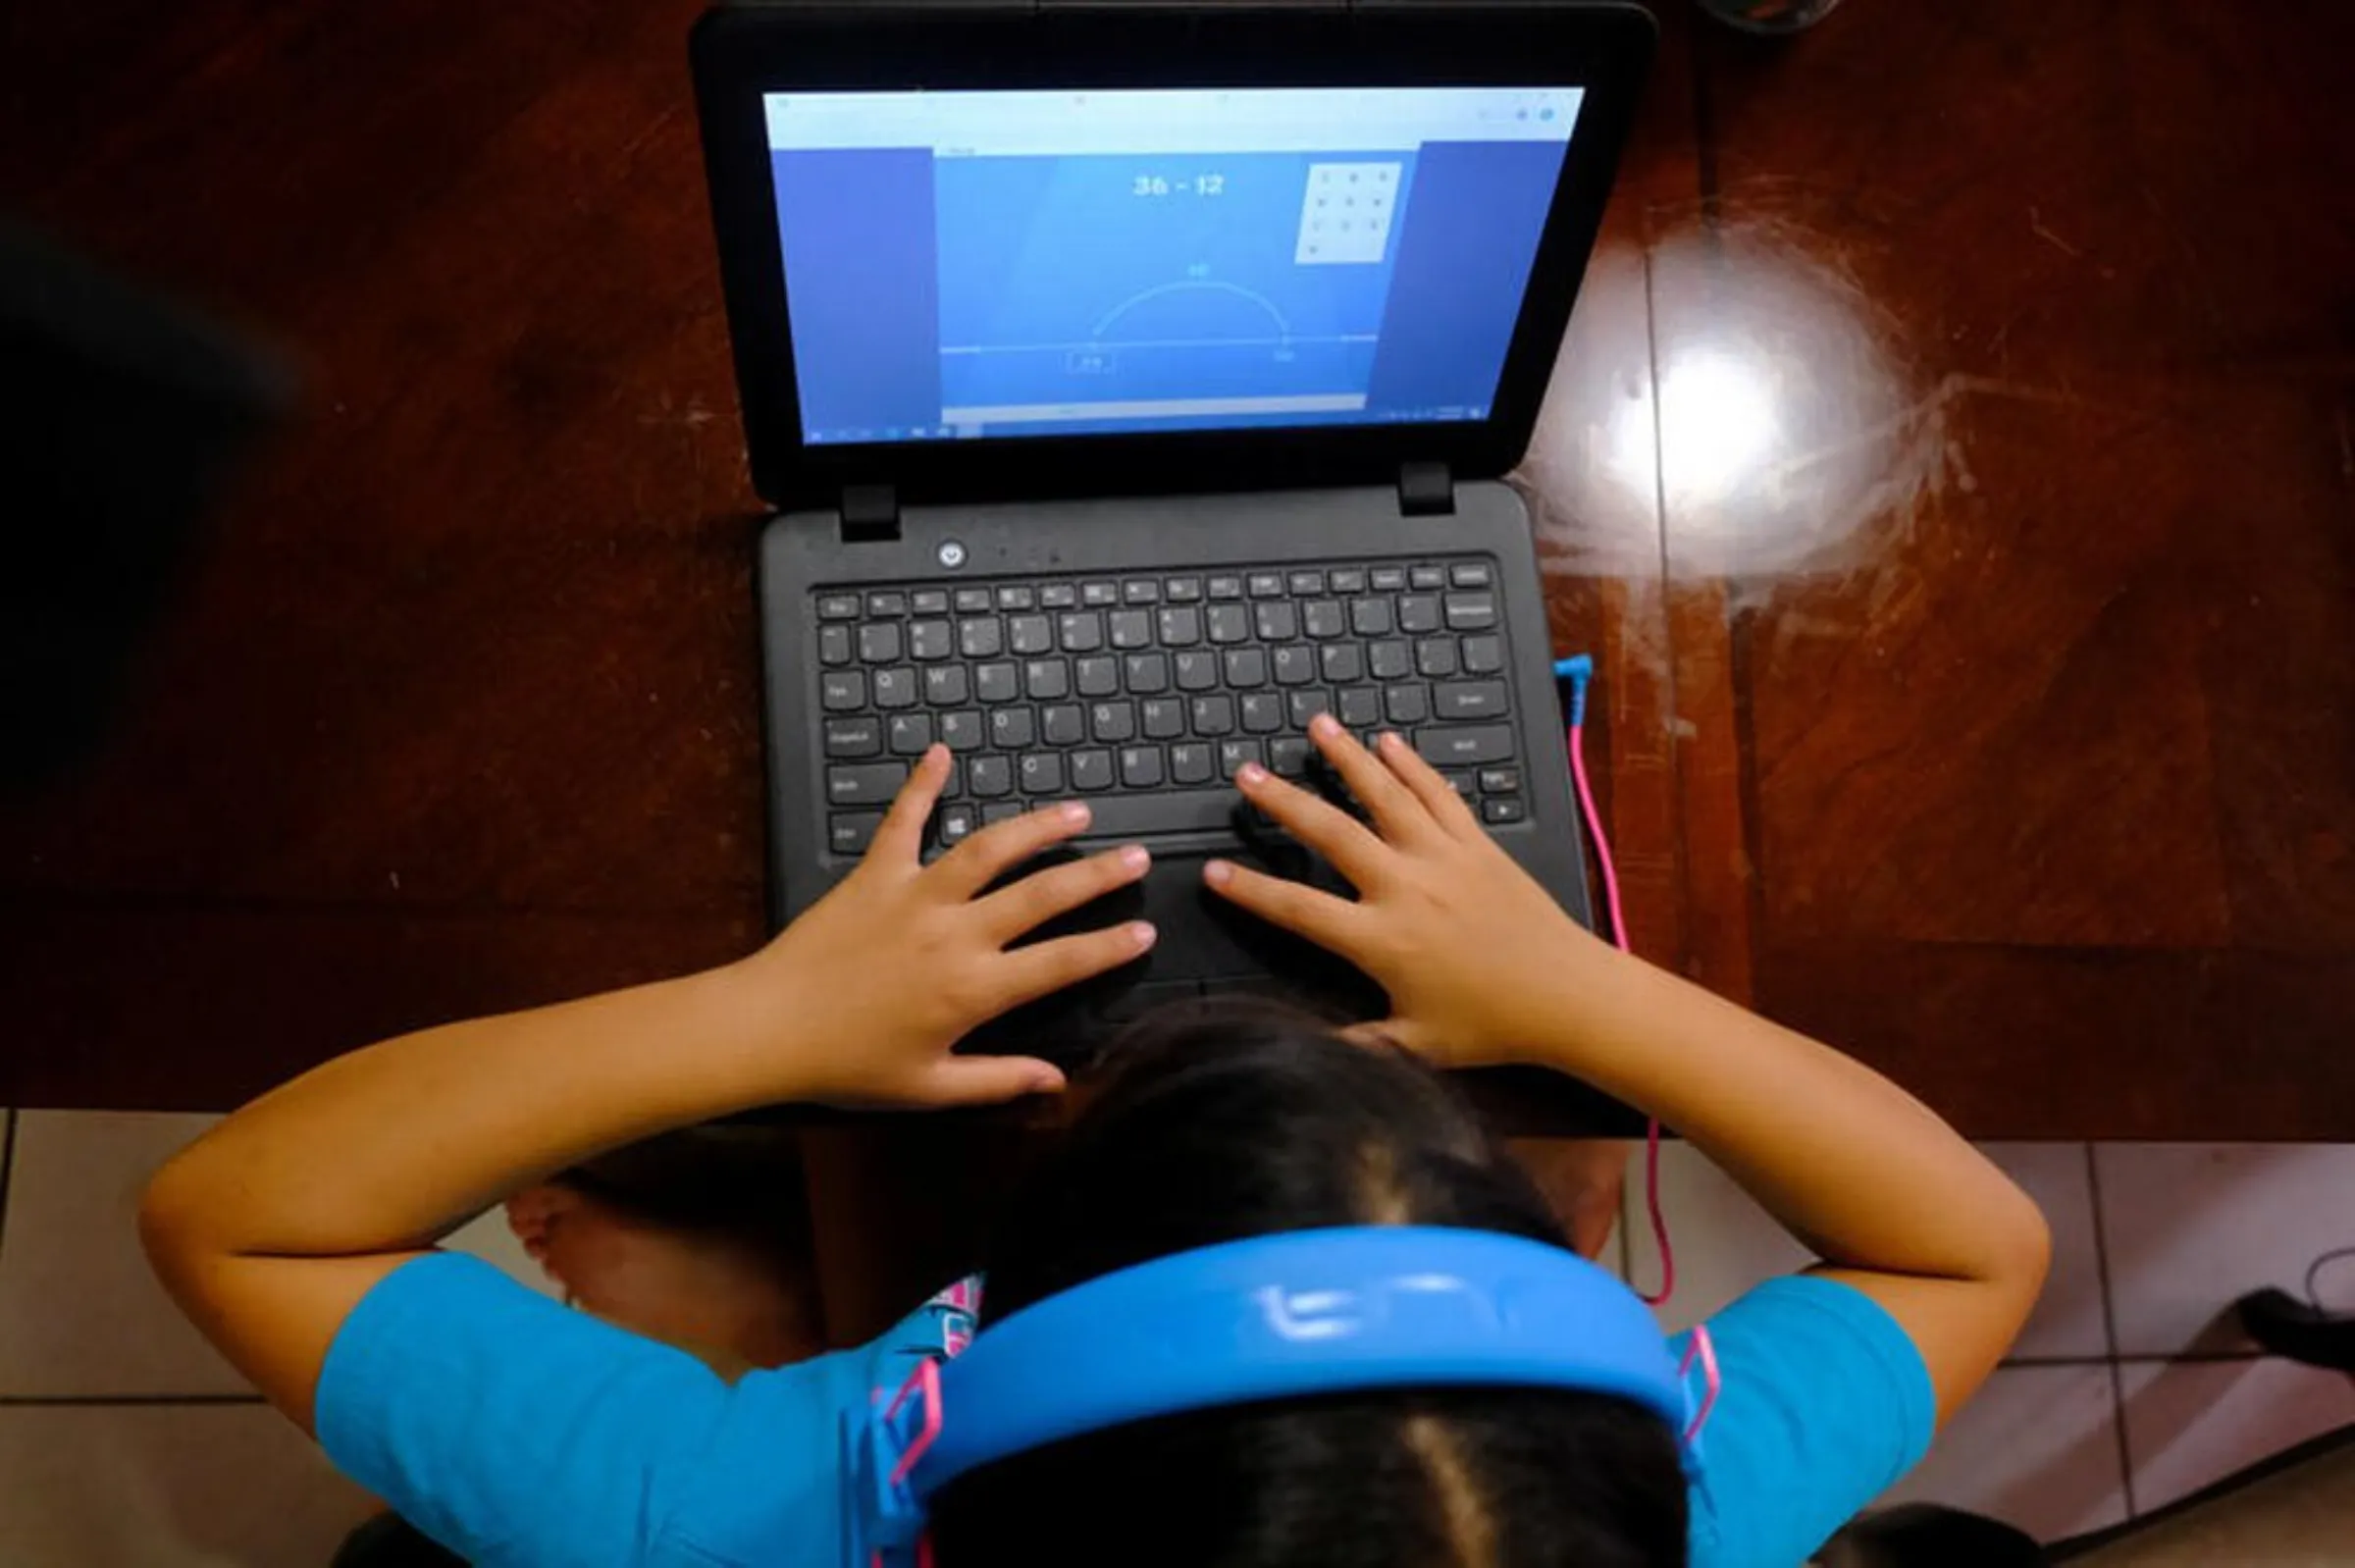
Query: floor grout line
8, 1162
2191, 1358
2118, 1380
66, 1402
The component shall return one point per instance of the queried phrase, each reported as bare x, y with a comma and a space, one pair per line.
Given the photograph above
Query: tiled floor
125, 1440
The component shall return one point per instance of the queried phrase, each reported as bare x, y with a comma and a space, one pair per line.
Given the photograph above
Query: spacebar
1181, 811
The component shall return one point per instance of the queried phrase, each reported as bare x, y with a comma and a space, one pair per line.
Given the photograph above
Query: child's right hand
1472, 951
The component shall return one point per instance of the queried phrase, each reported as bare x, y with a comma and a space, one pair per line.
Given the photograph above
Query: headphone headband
1275, 1317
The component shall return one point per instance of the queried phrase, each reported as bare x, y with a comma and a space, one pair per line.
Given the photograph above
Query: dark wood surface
1953, 469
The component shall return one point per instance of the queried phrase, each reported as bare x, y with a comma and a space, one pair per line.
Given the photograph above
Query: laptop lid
1009, 251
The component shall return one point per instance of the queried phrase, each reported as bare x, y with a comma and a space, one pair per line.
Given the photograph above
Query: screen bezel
740, 54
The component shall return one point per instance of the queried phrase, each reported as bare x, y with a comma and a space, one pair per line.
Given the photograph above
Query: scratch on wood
2036, 227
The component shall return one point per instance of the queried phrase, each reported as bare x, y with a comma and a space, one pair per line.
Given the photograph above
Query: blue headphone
1275, 1317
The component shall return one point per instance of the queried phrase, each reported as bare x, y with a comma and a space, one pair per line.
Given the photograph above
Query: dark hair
1215, 1124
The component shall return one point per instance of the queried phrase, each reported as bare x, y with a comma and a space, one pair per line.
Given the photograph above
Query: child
300, 1233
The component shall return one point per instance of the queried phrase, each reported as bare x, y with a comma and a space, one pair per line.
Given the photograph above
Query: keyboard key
1287, 756
1471, 613
1018, 596
1322, 618
1342, 662
1083, 632
1263, 713
1047, 680
1295, 664
842, 691
996, 683
1306, 704
1426, 577
997, 811
833, 644
1407, 704
1483, 655
850, 832
1131, 628
989, 778
1234, 755
1500, 780
1306, 584
1141, 767
953, 789
1058, 595
1010, 729
1064, 724
1091, 770
838, 606
1213, 716
1183, 590
879, 643
1434, 657
1359, 707
1196, 671
1099, 676
1246, 666
961, 731
1099, 593
1419, 615
946, 685
1504, 808
929, 602
1387, 579
884, 601
1140, 591
1143, 674
1112, 722
910, 734
1370, 618
973, 601
1226, 623
1030, 634
1169, 812
1349, 580
854, 737
1225, 588
895, 687
1190, 762
1460, 700
1180, 626
1390, 661
1265, 585
864, 784
981, 637
1164, 718
1278, 622
1041, 773
1460, 781
1464, 745
1471, 574
929, 640
954, 825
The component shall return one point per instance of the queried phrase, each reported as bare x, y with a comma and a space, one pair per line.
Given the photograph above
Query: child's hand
1467, 945
902, 960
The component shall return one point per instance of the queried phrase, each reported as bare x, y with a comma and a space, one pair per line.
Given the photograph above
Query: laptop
1134, 382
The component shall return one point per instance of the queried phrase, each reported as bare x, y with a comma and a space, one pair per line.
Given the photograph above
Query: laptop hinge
1425, 489
870, 514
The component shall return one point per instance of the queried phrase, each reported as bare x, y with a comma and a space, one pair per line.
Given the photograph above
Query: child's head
1224, 1124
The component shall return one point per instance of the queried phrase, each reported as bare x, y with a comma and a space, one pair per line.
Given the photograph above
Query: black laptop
1135, 381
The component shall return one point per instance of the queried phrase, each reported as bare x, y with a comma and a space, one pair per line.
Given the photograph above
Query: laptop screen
964, 265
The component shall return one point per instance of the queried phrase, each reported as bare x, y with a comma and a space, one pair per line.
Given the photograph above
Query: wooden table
1951, 468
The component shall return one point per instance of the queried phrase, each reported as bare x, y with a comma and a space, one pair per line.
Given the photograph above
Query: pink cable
1601, 841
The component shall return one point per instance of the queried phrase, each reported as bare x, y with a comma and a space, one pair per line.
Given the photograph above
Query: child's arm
272, 1227
1482, 966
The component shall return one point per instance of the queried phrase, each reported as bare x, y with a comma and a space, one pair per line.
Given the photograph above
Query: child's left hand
879, 978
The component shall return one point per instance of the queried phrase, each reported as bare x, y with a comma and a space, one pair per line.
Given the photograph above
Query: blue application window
980, 265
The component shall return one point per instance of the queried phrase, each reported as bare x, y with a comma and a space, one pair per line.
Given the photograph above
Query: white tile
2037, 1448
80, 1313
487, 1236
2189, 1227
2190, 1424
168, 1487
2067, 1323
1724, 1243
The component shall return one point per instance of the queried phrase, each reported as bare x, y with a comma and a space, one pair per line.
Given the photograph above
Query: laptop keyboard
1144, 695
